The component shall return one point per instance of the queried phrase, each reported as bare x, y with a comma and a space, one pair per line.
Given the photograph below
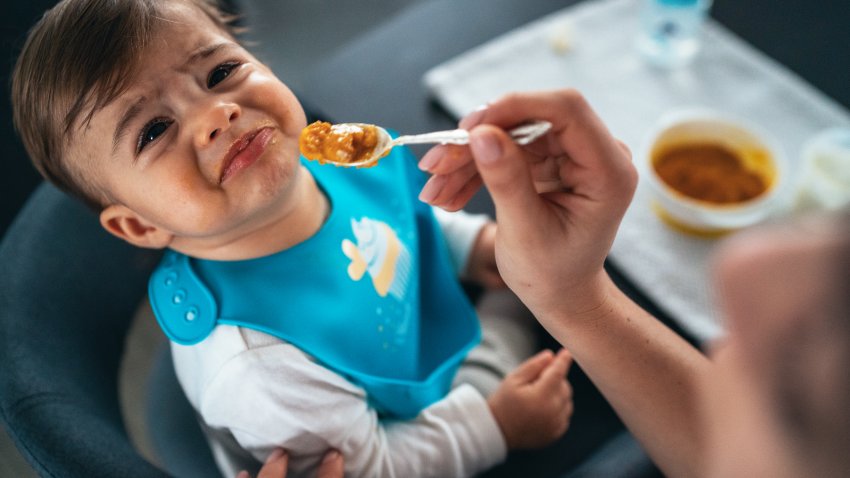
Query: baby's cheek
273, 97
189, 218
189, 206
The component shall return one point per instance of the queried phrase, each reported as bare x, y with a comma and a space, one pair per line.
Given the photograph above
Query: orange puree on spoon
343, 144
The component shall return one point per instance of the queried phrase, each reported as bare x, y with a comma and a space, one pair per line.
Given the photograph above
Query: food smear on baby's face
340, 144
712, 173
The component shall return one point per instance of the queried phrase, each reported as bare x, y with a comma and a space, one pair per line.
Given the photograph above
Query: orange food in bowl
709, 172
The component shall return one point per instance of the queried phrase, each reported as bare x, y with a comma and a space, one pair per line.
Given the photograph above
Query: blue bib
372, 295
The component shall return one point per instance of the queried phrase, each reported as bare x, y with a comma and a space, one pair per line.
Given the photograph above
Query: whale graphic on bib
379, 253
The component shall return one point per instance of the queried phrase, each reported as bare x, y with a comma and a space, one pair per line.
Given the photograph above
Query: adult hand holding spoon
362, 145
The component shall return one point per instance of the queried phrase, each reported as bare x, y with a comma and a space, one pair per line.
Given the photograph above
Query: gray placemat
591, 47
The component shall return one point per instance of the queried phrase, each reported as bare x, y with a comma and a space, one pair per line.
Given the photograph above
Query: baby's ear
126, 224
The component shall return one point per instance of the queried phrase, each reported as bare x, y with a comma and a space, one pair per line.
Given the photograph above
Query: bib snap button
179, 297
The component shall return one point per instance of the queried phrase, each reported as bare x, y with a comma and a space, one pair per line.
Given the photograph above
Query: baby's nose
219, 120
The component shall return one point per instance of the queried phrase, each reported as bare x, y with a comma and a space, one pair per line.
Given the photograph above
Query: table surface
386, 65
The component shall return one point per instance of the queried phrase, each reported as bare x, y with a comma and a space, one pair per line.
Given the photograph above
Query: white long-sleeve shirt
255, 392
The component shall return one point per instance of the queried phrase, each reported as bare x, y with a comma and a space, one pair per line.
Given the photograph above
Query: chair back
67, 295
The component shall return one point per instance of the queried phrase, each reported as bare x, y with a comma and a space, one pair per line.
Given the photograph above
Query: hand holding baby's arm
277, 466
533, 405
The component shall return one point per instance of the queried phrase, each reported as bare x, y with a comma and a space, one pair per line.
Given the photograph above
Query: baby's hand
481, 266
534, 403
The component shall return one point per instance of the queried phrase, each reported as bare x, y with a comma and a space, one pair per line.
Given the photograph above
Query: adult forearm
650, 375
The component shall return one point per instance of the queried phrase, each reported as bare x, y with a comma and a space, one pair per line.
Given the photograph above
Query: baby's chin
273, 191
281, 176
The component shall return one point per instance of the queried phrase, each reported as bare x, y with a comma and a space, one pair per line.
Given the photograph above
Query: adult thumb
505, 172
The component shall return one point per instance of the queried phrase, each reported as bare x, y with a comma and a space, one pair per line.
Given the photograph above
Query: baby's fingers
529, 371
557, 370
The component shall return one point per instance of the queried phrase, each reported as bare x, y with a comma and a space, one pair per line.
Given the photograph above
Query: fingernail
331, 456
432, 189
474, 118
275, 454
430, 159
485, 147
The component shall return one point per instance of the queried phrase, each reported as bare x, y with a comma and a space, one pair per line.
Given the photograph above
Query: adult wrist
590, 300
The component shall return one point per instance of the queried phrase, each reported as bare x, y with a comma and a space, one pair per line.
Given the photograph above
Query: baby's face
204, 143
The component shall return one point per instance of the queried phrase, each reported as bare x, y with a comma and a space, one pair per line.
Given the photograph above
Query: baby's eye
220, 72
151, 132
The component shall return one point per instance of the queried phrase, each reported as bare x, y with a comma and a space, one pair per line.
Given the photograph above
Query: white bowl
752, 144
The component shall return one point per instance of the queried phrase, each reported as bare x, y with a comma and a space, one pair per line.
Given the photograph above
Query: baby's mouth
245, 151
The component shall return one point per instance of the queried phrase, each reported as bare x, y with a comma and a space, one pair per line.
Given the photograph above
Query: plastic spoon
522, 135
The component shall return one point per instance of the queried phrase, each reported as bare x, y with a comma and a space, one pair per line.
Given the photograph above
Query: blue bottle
670, 34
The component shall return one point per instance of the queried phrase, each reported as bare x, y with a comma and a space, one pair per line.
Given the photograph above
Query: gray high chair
67, 295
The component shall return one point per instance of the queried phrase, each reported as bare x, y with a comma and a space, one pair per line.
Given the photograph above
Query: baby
310, 307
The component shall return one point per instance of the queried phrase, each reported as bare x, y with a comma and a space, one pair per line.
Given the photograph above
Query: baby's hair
77, 59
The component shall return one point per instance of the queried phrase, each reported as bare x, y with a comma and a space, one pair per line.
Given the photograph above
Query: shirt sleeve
277, 396
460, 230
